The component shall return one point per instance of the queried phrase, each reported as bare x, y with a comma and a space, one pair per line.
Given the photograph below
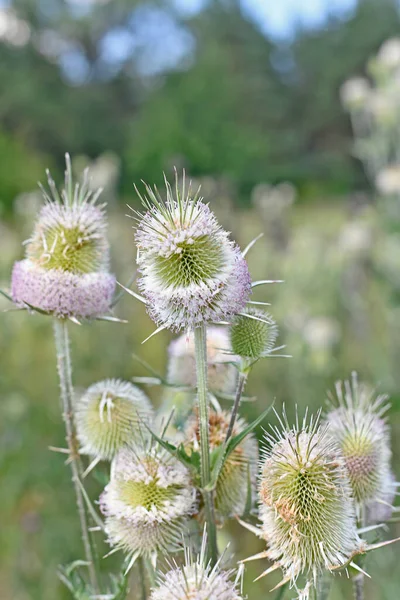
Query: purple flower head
65, 272
191, 272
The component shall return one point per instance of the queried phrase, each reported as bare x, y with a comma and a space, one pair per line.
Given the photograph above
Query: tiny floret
147, 502
196, 580
306, 507
240, 467
109, 415
65, 272
191, 272
357, 421
253, 334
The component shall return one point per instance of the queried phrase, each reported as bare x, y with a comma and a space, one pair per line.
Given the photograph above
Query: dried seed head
240, 468
191, 273
196, 580
254, 335
65, 272
359, 426
306, 507
110, 415
148, 501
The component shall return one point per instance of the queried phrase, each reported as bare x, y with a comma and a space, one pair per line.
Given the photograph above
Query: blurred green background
244, 96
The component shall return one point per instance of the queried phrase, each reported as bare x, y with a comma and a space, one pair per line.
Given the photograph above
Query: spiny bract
359, 426
148, 501
191, 273
253, 334
109, 415
240, 467
196, 580
65, 271
306, 507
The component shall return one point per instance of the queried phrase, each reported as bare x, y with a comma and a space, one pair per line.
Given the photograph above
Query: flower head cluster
240, 467
65, 271
357, 423
196, 580
191, 273
253, 334
306, 506
148, 501
109, 416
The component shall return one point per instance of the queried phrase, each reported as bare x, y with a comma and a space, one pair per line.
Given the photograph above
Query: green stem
150, 572
65, 375
200, 339
142, 579
235, 409
358, 587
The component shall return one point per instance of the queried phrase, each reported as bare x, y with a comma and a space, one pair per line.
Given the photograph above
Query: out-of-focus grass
334, 313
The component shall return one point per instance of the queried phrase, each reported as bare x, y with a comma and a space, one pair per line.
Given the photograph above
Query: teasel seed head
66, 269
148, 501
191, 273
306, 506
358, 424
109, 415
253, 334
240, 467
196, 580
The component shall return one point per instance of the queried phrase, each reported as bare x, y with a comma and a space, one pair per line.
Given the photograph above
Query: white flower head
196, 580
389, 54
148, 501
358, 424
109, 415
65, 271
388, 180
306, 506
240, 467
191, 273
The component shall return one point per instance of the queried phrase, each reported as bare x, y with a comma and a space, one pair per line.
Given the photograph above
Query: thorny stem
200, 340
142, 579
65, 375
358, 587
235, 409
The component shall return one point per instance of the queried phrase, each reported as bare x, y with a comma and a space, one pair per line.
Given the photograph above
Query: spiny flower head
191, 273
110, 415
221, 373
65, 271
148, 501
253, 334
306, 506
196, 580
357, 422
240, 467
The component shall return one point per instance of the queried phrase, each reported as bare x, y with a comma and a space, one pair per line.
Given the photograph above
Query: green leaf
191, 461
237, 439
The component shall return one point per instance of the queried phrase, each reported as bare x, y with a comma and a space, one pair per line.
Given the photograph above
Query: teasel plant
65, 275
307, 509
193, 277
357, 420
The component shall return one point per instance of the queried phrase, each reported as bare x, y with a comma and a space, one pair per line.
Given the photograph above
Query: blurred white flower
389, 54
355, 237
354, 92
321, 332
388, 180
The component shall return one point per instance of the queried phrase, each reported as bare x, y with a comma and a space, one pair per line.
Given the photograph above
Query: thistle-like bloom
191, 273
359, 426
110, 415
147, 502
240, 467
65, 272
196, 580
306, 507
253, 334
